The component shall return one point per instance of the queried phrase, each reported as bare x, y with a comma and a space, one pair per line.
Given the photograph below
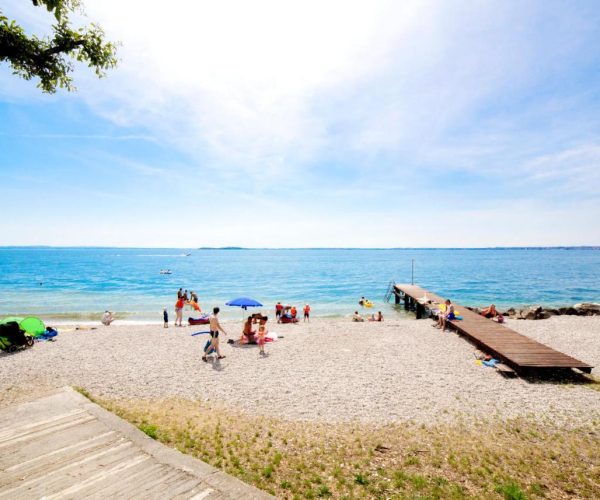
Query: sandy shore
331, 370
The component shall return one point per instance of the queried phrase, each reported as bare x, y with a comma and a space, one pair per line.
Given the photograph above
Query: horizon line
522, 247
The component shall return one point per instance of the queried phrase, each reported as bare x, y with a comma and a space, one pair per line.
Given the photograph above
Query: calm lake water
78, 283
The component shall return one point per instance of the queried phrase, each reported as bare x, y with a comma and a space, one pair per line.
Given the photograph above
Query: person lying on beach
445, 316
107, 318
215, 328
357, 317
490, 312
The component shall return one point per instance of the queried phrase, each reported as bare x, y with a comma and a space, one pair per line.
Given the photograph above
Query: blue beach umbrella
244, 303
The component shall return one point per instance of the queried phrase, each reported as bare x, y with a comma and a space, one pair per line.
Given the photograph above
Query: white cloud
237, 82
356, 103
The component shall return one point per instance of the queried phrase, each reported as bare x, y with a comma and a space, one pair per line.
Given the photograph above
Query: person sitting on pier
490, 312
446, 315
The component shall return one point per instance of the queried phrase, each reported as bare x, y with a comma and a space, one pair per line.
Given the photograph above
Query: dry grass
522, 458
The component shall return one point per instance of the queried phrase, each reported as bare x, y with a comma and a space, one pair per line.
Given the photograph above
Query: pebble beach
329, 370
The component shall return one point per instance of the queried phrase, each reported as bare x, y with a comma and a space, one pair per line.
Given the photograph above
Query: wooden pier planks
516, 350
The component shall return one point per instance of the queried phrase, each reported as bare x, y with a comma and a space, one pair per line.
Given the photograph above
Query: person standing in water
215, 328
165, 318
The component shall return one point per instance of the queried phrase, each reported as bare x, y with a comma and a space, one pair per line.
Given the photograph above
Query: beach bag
206, 346
500, 318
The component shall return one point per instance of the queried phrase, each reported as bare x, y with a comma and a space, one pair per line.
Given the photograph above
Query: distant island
223, 248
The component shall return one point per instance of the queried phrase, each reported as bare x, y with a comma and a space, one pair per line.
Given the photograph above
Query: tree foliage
51, 59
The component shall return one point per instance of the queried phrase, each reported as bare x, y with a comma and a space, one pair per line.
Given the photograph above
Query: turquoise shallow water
80, 282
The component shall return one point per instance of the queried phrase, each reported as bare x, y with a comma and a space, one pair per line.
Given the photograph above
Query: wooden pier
515, 350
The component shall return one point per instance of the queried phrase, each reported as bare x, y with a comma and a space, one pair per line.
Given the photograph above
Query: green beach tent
33, 326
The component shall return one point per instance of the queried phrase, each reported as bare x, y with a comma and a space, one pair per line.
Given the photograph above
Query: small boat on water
165, 271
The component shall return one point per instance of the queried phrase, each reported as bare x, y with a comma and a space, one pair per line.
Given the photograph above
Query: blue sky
300, 124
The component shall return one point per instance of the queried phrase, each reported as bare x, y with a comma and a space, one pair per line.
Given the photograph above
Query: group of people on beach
288, 314
183, 299
373, 317
255, 336
448, 313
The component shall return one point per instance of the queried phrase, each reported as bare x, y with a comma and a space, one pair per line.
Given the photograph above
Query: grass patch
84, 393
149, 430
517, 459
511, 491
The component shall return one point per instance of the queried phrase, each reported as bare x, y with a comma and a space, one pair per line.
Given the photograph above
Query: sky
312, 124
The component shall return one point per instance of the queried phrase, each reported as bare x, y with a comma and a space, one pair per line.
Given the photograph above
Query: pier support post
396, 297
406, 304
420, 310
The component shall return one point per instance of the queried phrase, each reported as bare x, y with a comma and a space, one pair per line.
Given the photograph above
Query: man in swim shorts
215, 327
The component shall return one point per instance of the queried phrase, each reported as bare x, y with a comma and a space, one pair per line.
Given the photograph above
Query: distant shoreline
235, 248
527, 312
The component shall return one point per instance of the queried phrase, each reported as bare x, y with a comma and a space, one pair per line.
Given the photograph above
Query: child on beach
307, 313
166, 318
262, 334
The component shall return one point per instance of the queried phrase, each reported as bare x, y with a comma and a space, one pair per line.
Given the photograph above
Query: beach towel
491, 363
200, 333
